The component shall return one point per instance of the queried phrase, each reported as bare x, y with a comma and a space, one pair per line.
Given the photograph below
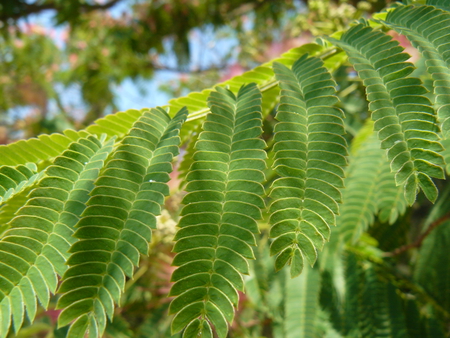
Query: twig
418, 242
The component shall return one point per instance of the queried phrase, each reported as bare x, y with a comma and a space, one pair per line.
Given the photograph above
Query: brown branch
418, 242
27, 9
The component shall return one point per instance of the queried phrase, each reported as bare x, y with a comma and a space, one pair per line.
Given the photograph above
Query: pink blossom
19, 43
234, 70
81, 44
404, 42
65, 35
73, 58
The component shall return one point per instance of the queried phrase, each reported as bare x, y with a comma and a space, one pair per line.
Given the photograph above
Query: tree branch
26, 9
418, 242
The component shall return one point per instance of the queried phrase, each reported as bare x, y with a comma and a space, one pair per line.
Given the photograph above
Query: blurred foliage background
63, 64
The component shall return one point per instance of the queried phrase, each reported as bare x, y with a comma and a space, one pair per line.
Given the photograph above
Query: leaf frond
442, 4
33, 250
115, 228
218, 223
431, 36
302, 304
431, 269
404, 117
13, 180
43, 147
369, 188
310, 154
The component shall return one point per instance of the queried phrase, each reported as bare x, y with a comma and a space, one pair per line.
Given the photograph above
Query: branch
27, 9
418, 242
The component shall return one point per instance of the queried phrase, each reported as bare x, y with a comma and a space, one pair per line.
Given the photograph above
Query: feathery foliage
34, 248
124, 204
38, 149
378, 310
9, 209
369, 188
309, 155
302, 304
430, 36
218, 223
432, 269
443, 4
15, 179
404, 118
78, 209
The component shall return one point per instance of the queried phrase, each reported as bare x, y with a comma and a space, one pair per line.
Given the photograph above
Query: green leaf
78, 328
443, 4
115, 228
430, 36
220, 211
329, 297
404, 118
309, 156
34, 247
197, 328
9, 209
390, 199
302, 304
34, 150
360, 299
389, 315
116, 124
14, 180
369, 188
432, 268
373, 306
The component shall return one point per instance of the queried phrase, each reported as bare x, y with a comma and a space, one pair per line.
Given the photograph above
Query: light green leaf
302, 304
432, 270
14, 180
36, 149
369, 188
196, 328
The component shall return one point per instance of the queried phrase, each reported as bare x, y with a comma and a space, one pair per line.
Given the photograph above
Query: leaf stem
418, 242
